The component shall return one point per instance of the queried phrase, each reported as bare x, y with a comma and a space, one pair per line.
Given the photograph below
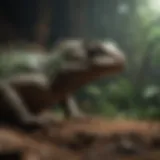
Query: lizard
93, 59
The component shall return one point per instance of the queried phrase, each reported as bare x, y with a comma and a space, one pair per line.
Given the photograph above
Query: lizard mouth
103, 61
75, 67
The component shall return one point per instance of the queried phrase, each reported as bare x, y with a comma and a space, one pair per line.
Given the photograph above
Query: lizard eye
93, 49
96, 51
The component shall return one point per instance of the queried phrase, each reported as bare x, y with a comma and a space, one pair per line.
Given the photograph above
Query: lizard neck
53, 65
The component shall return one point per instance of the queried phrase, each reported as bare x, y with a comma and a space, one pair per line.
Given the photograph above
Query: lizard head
86, 61
103, 54
81, 55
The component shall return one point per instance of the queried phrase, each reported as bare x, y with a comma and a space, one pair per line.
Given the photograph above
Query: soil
91, 138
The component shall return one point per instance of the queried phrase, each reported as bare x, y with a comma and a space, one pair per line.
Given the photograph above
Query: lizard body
94, 59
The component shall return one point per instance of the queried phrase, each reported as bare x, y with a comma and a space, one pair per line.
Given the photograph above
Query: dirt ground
84, 139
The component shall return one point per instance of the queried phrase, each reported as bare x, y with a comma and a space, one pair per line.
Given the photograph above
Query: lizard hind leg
20, 115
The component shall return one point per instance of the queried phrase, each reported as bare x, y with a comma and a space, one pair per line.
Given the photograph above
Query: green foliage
121, 99
154, 33
156, 57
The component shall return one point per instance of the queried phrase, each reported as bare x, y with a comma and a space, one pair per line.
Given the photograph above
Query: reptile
49, 78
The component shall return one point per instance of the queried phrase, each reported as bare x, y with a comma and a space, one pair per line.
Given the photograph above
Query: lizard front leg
71, 108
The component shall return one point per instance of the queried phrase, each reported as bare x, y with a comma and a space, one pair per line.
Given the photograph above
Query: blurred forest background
133, 24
